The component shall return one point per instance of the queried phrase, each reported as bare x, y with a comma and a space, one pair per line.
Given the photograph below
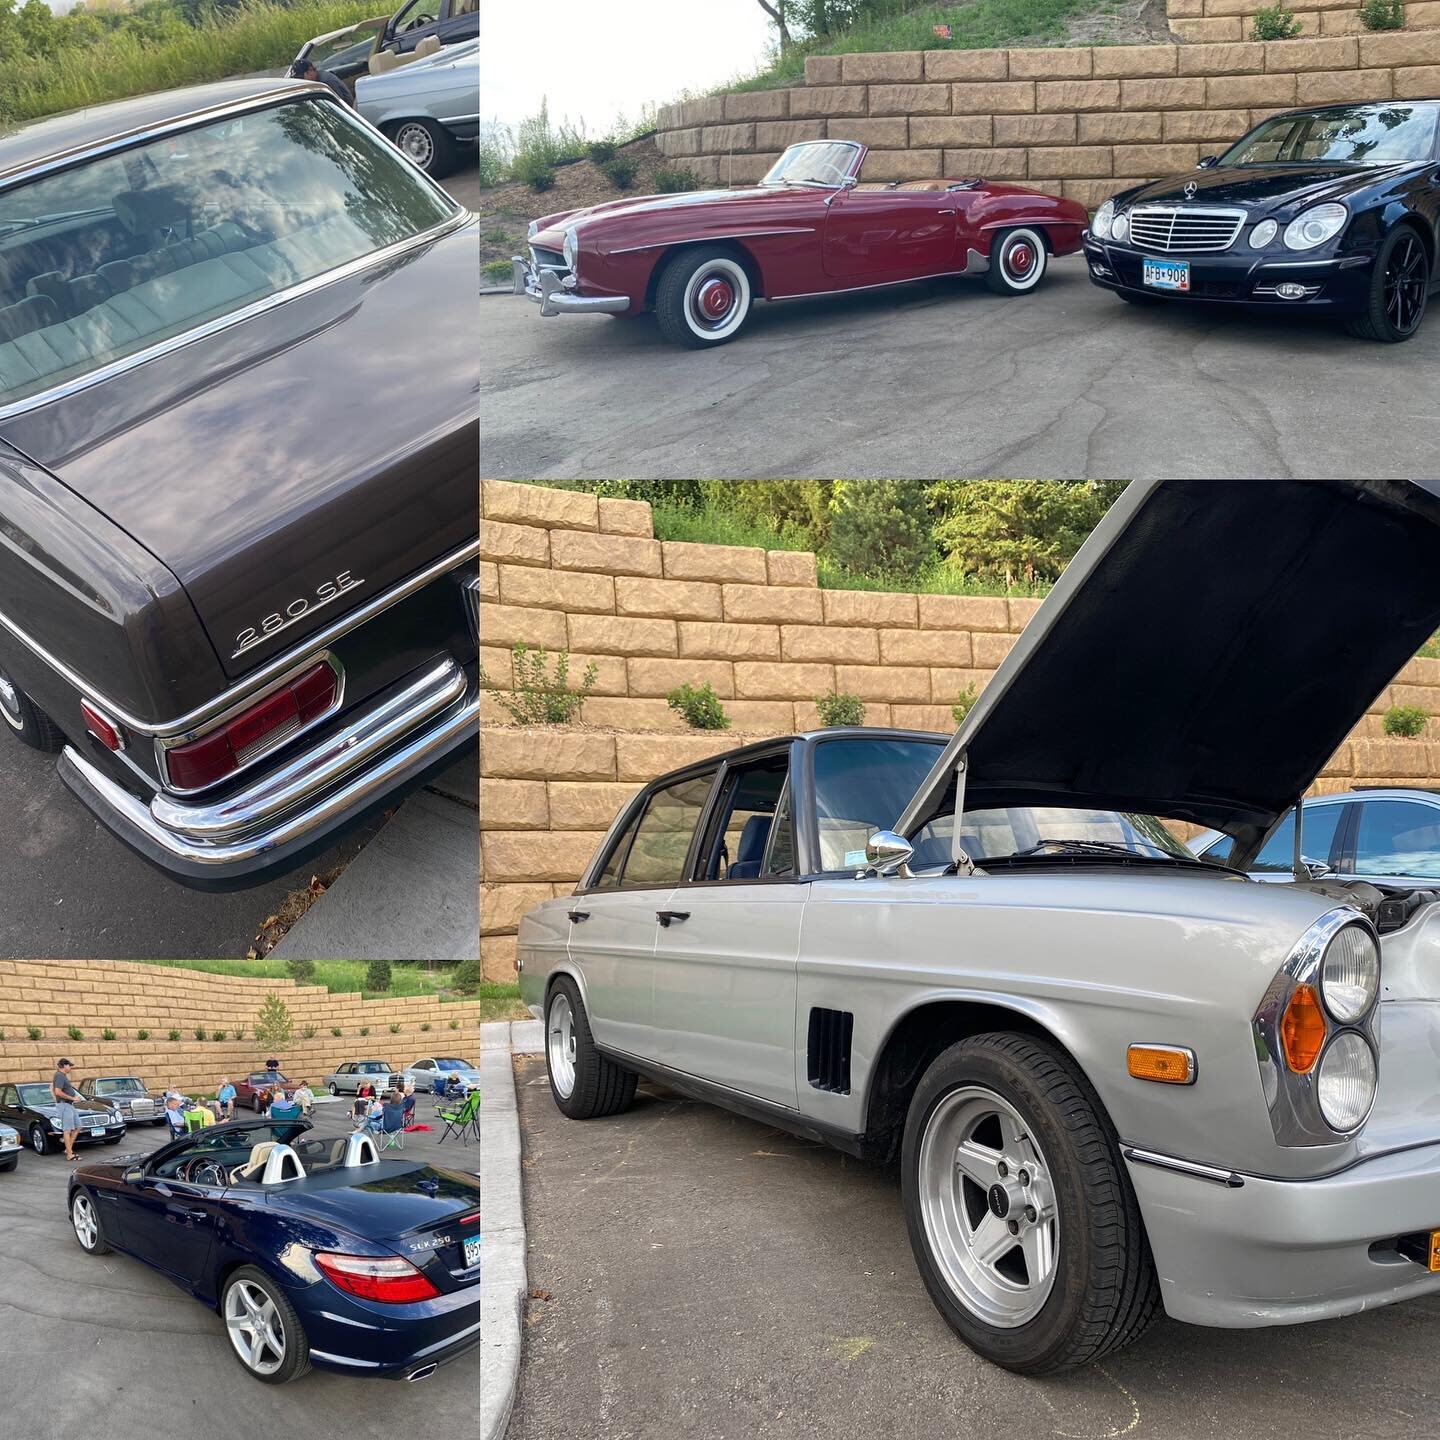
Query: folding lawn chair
462, 1120
392, 1130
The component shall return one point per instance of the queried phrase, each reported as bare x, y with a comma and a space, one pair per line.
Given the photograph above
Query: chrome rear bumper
555, 297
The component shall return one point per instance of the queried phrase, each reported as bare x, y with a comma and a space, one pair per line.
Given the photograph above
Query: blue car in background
313, 1252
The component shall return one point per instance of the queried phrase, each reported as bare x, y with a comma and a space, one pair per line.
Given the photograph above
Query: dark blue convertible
312, 1251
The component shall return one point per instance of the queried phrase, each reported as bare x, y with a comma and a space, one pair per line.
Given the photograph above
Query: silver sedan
427, 107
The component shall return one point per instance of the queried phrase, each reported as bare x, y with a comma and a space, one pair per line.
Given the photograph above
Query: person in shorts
67, 1097
225, 1098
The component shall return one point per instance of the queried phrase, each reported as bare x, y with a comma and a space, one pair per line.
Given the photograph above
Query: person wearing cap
307, 70
67, 1097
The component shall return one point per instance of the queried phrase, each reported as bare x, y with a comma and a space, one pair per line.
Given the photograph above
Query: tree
377, 977
777, 13
274, 1029
798, 508
880, 528
1017, 529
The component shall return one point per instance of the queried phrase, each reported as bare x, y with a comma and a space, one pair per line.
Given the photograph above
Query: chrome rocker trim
1213, 1173
377, 750
553, 298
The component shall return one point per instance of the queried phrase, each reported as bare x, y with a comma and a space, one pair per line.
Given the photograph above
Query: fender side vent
828, 1050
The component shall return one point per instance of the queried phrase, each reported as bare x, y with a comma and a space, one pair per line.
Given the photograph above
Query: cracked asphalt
945, 379
109, 1345
710, 1278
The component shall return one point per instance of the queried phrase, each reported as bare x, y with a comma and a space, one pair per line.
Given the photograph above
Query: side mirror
1207, 162
134, 1175
888, 853
1315, 869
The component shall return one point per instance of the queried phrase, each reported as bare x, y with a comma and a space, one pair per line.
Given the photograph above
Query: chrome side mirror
1315, 869
888, 853
1208, 162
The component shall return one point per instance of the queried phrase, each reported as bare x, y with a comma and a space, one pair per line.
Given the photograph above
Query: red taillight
393, 1280
214, 756
104, 729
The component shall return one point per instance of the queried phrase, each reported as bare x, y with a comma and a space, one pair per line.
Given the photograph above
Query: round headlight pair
1120, 227
1350, 974
1263, 234
1349, 985
1317, 225
571, 249
1104, 219
1345, 1081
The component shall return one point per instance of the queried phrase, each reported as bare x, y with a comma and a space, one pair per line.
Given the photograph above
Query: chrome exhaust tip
423, 1373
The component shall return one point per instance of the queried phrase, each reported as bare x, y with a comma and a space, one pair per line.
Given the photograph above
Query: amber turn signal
1302, 1030
1168, 1064
1435, 1250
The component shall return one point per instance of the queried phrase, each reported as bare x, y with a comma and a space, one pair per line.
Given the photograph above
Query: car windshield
451, 1063
1019, 832
823, 162
33, 1095
118, 253
118, 1087
1344, 134
230, 1145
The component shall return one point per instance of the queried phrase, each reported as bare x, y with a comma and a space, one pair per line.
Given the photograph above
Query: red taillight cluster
393, 1280
223, 751
101, 726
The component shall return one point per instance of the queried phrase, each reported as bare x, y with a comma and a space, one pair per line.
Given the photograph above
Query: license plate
1166, 274
98, 1130
472, 1251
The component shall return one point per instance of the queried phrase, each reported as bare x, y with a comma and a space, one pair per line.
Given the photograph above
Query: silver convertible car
1116, 1078
429, 107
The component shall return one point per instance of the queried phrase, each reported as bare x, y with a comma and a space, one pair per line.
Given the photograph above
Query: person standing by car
67, 1097
225, 1099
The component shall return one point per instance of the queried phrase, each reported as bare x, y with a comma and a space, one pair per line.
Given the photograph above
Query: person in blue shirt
226, 1096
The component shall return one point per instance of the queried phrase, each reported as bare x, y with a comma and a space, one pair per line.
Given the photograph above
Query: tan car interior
383, 61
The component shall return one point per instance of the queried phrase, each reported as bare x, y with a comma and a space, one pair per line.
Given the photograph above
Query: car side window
861, 786
1317, 839
740, 829
780, 849
663, 834
8, 1096
609, 876
1398, 837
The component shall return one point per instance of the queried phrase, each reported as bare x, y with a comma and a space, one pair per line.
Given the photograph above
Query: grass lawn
336, 975
501, 1002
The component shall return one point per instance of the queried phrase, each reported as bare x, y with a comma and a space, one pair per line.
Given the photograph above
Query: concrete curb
503, 1283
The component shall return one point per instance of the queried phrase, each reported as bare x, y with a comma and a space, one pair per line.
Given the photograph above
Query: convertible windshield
1345, 134
822, 162
117, 253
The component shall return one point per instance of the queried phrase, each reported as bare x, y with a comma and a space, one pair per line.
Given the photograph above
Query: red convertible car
700, 260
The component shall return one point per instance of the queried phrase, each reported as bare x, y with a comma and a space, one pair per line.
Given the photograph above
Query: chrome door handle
669, 917
576, 916
944, 212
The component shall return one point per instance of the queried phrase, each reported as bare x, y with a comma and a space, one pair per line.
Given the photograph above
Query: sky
596, 59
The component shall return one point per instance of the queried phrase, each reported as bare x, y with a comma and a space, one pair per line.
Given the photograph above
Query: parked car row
30, 1108
423, 1074
1330, 209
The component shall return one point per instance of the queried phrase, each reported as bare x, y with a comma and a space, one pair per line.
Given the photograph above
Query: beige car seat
383, 61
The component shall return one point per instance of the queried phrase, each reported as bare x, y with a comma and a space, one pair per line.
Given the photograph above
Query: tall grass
345, 976
258, 36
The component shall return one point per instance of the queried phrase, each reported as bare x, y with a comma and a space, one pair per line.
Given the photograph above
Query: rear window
117, 254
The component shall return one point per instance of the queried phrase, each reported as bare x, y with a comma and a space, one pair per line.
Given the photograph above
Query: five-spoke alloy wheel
264, 1330
86, 1220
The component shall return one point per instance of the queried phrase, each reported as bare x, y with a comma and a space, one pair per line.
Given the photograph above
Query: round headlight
1104, 217
532, 230
1316, 226
1119, 227
570, 248
1263, 234
1350, 974
1345, 1084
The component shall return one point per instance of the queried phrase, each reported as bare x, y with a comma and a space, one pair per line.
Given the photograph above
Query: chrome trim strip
312, 644
1213, 1173
733, 235
171, 343
1169, 216
975, 264
1299, 264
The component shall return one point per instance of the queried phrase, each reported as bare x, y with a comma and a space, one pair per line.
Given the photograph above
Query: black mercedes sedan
1331, 209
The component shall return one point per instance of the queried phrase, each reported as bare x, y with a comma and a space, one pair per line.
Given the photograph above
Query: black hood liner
1210, 655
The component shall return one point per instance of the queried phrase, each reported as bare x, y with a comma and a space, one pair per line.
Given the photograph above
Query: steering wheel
840, 175
204, 1171
417, 22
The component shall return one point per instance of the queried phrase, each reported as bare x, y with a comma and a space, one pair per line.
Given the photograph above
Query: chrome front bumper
556, 296
287, 812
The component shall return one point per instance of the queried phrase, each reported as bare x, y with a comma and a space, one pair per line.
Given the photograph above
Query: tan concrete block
791, 567
706, 168
739, 169
535, 754
1418, 82
829, 642
1340, 22
759, 717
729, 642
660, 677
990, 650
757, 105
777, 134
1056, 63
1422, 670
1350, 85
721, 139
1035, 129
679, 599
828, 101
1427, 697
687, 561
516, 624
497, 958
778, 603
1392, 759
622, 635
925, 647
1066, 95
1183, 10
517, 504
923, 717
1132, 62
1228, 60
522, 544
587, 805
966, 64
948, 130
502, 907
909, 99
1119, 127
1400, 47
626, 517
708, 110
1022, 611
489, 580
884, 682
764, 680
869, 607
513, 805
1162, 94
1210, 126
643, 757
822, 70
1308, 25
537, 854
903, 165
1054, 162
1145, 160
885, 65
1089, 193
528, 585
1225, 92
999, 97
1423, 16
891, 134
963, 612
948, 683
608, 554
1340, 52
621, 712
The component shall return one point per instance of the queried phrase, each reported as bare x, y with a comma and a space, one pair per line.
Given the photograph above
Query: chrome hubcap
716, 298
255, 1329
1021, 260
415, 141
82, 1216
988, 1207
9, 702
560, 1045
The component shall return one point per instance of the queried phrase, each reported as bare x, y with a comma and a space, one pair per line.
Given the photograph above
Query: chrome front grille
1174, 229
544, 259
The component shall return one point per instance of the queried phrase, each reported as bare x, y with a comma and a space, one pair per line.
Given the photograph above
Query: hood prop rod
964, 865
1297, 862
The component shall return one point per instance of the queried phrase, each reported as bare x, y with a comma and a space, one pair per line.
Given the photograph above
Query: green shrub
496, 270
454, 1024
466, 978
701, 707
1275, 22
880, 527
620, 171
173, 1035
107, 1034
964, 704
1405, 720
378, 976
75, 1032
364, 1030
335, 1031
534, 171
142, 1034
309, 1032
601, 151
536, 696
34, 1032
274, 1025
491, 161
302, 972
840, 709
498, 235
672, 179
394, 1029
1383, 14
425, 1025
199, 1032
238, 1034
218, 1035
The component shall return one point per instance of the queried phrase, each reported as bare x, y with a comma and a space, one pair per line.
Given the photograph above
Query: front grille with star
1175, 229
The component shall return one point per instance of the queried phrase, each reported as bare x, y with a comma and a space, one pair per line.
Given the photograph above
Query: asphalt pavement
945, 379
703, 1277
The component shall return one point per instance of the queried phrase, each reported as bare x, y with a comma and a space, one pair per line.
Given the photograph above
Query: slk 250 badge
296, 610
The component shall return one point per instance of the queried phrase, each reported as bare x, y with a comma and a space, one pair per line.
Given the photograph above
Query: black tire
692, 284
1018, 260
9, 1162
114, 1139
333, 1088
1133, 297
1400, 276
297, 1346
40, 1141
99, 1246
427, 143
600, 1086
1104, 1293
24, 719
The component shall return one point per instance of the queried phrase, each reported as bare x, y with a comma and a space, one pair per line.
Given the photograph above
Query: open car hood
1205, 653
